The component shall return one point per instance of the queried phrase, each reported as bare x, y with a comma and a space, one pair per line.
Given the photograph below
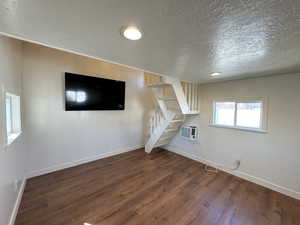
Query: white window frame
263, 120
16, 118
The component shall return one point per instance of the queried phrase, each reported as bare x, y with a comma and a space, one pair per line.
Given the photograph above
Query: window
240, 114
249, 114
12, 116
224, 113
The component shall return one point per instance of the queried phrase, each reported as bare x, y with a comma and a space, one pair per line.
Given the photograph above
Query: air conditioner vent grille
189, 132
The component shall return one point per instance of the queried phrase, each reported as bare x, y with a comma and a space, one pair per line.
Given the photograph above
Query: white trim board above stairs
175, 100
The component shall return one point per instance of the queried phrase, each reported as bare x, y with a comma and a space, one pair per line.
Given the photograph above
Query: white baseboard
81, 161
17, 203
257, 180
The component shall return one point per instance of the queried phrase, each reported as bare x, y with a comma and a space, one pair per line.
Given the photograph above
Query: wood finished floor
157, 189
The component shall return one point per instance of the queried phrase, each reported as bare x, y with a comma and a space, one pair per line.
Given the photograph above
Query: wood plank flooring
157, 189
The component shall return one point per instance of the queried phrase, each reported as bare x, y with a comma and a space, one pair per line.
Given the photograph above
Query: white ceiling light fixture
132, 33
215, 74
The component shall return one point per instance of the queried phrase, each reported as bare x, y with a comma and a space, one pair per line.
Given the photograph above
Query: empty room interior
126, 112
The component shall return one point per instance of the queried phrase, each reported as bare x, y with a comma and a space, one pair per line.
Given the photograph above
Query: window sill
11, 138
240, 128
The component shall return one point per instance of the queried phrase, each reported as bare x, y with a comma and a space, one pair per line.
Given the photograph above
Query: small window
224, 113
13, 117
249, 114
240, 114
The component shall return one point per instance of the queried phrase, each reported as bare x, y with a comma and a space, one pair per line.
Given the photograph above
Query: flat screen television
93, 93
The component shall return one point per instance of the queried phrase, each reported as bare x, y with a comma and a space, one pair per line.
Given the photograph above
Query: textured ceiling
188, 39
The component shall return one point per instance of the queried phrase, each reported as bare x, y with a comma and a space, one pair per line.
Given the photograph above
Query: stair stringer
157, 93
179, 93
159, 131
168, 115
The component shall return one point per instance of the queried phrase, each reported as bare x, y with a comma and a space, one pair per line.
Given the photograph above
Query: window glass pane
249, 114
8, 107
224, 113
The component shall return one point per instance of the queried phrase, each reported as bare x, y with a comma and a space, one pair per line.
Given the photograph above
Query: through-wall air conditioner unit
189, 132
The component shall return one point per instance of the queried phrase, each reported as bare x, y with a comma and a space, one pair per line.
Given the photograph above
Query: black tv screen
93, 93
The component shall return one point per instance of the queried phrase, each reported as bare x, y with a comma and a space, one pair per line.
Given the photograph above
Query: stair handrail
156, 118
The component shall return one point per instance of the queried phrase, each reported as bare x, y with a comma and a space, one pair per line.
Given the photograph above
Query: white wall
57, 138
271, 159
13, 158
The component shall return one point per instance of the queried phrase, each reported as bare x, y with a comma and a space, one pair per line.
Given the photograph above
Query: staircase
176, 101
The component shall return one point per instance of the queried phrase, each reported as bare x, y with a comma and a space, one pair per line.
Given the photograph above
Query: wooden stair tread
176, 121
159, 85
192, 113
176, 111
168, 99
166, 137
171, 130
